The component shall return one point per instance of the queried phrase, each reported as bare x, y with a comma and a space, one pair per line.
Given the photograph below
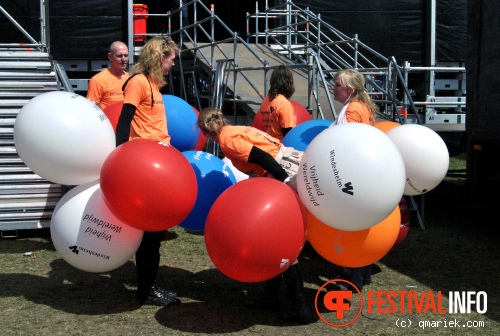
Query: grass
457, 251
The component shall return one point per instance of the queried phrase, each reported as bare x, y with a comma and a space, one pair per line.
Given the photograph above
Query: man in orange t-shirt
105, 88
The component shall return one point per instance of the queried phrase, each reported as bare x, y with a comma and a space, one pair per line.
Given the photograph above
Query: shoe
157, 298
164, 291
295, 286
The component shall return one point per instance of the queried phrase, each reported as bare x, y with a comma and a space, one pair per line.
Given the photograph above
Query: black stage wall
77, 29
400, 28
483, 98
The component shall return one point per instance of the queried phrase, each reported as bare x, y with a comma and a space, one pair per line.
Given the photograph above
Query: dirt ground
457, 251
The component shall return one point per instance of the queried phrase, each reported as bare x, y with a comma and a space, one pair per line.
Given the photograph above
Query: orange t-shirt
150, 121
277, 114
236, 142
358, 112
105, 88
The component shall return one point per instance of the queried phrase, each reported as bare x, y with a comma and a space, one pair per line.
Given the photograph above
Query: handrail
312, 44
43, 44
63, 77
334, 50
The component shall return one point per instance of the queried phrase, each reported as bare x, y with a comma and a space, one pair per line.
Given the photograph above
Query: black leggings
147, 259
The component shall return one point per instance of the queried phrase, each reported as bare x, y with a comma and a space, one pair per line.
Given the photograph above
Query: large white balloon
63, 137
425, 156
238, 174
351, 176
87, 234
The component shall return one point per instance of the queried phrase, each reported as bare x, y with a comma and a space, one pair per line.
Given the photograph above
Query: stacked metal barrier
26, 199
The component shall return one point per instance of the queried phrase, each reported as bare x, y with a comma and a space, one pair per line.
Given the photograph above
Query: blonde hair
211, 120
352, 79
149, 62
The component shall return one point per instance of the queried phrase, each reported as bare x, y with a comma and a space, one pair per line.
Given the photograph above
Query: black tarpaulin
77, 29
399, 28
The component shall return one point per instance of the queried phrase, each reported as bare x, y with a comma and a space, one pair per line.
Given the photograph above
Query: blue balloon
213, 176
301, 135
181, 123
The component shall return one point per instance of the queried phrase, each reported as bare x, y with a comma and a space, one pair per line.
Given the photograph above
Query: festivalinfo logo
410, 301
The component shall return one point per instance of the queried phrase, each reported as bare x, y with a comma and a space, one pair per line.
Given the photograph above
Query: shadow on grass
214, 303
458, 249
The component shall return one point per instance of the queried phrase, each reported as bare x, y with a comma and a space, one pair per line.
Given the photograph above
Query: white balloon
238, 174
425, 156
86, 233
63, 137
351, 176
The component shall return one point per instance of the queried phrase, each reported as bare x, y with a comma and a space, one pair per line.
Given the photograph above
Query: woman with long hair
256, 153
349, 89
143, 117
278, 115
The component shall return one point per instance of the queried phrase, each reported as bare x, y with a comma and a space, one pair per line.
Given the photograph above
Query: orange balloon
353, 248
387, 125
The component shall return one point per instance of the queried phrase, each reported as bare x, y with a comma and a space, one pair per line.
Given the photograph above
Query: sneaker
157, 298
164, 291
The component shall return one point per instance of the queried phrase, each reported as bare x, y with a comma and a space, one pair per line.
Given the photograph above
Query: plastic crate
140, 22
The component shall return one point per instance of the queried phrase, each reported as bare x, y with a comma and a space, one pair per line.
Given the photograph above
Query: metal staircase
315, 50
26, 199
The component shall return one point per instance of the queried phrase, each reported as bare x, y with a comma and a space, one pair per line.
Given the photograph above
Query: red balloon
300, 113
202, 142
257, 121
113, 112
148, 185
255, 229
202, 139
405, 222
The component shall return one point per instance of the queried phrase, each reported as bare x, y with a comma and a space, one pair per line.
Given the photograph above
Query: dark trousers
147, 260
359, 276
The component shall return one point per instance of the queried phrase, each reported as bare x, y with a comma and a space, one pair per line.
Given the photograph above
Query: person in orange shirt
256, 153
105, 88
278, 115
143, 117
349, 89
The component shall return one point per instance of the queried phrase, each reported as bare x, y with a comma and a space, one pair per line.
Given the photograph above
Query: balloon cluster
117, 193
351, 183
